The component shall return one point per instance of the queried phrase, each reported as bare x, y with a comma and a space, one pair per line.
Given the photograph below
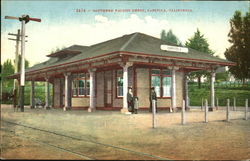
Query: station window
166, 83
87, 84
74, 86
80, 85
161, 81
119, 83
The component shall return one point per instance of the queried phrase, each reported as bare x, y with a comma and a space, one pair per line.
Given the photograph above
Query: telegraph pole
16, 64
24, 19
17, 49
17, 40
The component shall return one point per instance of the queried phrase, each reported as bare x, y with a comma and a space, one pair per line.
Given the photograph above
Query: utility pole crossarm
15, 34
13, 39
16, 39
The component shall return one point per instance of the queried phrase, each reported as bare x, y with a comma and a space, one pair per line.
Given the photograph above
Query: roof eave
229, 63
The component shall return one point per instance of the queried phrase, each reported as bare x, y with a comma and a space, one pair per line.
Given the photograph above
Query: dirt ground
215, 140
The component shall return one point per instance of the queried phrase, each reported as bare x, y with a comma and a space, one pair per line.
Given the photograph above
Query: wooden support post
19, 97
15, 99
153, 114
173, 87
32, 92
47, 94
18, 35
22, 68
206, 111
202, 105
228, 109
183, 114
212, 91
67, 91
125, 86
217, 103
234, 107
246, 109
186, 90
92, 101
173, 101
125, 67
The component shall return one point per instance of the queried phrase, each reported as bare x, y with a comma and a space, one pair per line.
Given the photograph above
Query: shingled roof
136, 43
59, 57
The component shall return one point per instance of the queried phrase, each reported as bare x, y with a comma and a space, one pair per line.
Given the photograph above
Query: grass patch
222, 93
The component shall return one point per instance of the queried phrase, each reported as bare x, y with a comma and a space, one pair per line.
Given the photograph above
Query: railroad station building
97, 77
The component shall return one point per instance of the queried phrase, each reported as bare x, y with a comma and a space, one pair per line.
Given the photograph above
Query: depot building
97, 77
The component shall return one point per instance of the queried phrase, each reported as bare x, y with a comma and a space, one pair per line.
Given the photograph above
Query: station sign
174, 48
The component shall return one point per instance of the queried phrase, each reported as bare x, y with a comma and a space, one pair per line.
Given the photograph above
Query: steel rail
51, 145
93, 142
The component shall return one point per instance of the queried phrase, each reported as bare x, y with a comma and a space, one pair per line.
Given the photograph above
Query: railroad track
51, 145
82, 140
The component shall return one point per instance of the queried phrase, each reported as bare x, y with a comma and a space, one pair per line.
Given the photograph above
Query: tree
198, 42
170, 37
222, 76
7, 69
239, 51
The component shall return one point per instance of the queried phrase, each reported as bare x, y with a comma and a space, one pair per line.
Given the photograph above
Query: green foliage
8, 84
199, 43
7, 69
223, 76
239, 51
222, 92
170, 37
39, 93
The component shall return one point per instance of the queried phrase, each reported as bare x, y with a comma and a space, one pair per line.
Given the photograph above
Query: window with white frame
156, 81
161, 81
87, 84
74, 87
80, 85
166, 83
119, 83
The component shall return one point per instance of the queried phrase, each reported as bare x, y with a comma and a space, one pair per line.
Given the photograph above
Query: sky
66, 23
